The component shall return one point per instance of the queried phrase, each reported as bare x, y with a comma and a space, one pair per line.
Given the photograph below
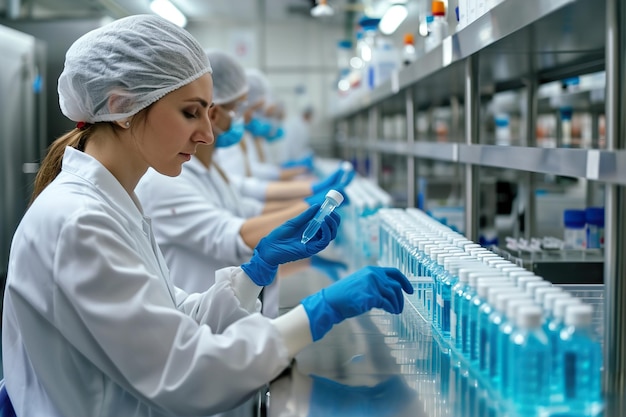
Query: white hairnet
229, 77
258, 86
136, 60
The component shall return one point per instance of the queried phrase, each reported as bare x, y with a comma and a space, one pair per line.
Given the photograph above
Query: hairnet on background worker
91, 323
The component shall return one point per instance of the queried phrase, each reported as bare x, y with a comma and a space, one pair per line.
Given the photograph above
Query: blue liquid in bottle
555, 324
530, 362
333, 200
580, 359
506, 330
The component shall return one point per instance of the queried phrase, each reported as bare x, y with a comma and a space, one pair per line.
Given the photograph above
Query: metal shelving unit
519, 44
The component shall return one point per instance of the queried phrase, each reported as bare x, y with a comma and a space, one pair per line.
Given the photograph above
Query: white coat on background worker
296, 142
92, 325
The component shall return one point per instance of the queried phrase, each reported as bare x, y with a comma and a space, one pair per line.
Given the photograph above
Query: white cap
522, 281
503, 299
558, 312
493, 292
335, 195
529, 316
346, 166
474, 276
515, 275
497, 261
509, 267
550, 298
476, 251
532, 286
469, 245
485, 285
541, 292
514, 304
465, 272
578, 315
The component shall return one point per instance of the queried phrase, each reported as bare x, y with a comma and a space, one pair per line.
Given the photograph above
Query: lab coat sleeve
265, 171
111, 303
250, 187
185, 218
222, 304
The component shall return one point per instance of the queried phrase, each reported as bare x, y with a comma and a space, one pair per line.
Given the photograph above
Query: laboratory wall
57, 35
301, 67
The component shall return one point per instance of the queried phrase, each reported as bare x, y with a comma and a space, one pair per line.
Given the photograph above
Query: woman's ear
213, 114
119, 103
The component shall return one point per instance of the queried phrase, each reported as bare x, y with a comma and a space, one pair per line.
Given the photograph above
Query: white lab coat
196, 218
92, 326
248, 174
296, 141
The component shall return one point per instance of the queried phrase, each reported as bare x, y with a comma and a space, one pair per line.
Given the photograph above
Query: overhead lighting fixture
167, 10
322, 9
392, 18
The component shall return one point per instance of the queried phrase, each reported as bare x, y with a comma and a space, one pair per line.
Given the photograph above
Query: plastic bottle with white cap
496, 319
529, 362
579, 359
553, 328
507, 328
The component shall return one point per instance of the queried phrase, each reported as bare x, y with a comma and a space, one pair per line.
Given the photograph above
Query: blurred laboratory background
473, 125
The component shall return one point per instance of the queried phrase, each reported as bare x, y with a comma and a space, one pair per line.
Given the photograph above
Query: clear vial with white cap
346, 167
332, 201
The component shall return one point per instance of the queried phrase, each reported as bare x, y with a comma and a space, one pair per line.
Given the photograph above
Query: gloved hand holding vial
333, 199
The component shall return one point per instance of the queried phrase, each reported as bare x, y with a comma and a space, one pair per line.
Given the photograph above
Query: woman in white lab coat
91, 323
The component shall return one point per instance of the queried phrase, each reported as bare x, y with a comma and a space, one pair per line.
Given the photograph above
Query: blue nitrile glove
327, 266
330, 182
283, 245
367, 288
306, 162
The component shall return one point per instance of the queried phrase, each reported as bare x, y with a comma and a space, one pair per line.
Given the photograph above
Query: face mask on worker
259, 127
232, 136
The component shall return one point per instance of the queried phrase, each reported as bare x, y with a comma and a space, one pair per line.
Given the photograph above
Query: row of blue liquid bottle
527, 340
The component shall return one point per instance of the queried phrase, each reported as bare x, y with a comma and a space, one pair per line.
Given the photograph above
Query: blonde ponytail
51, 164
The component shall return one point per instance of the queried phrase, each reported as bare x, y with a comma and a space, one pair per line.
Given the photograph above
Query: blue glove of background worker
328, 266
334, 181
284, 245
306, 162
367, 288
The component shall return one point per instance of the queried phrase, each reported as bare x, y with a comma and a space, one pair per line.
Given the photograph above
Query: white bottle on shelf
439, 27
408, 50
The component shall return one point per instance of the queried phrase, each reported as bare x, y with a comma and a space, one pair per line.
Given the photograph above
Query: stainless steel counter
382, 365
374, 365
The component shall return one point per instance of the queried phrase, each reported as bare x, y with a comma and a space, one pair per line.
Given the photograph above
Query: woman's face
176, 125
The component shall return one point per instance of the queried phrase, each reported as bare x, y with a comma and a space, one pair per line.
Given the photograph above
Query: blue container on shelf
574, 233
594, 217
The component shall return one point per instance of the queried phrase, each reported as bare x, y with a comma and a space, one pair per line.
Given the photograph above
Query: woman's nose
206, 134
